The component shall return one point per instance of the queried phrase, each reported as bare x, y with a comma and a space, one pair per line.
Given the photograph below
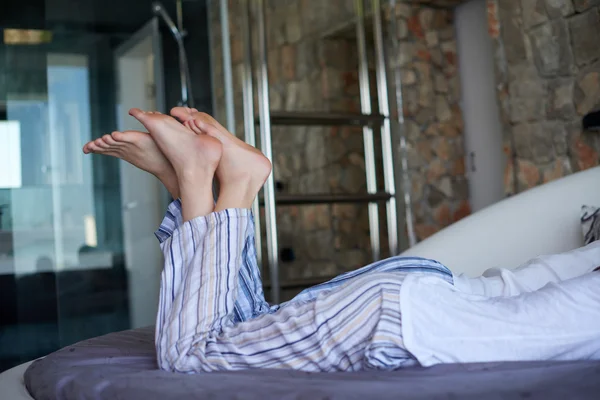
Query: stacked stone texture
548, 69
312, 69
548, 75
434, 125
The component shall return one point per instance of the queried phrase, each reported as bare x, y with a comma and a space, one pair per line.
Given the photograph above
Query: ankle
169, 181
196, 201
238, 195
173, 190
195, 176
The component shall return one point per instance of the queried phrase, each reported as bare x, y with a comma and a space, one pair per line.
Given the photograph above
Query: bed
122, 366
542, 220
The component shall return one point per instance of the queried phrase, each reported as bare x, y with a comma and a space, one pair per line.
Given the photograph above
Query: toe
204, 126
118, 136
183, 114
109, 140
191, 125
92, 148
135, 111
145, 117
138, 114
101, 143
127, 136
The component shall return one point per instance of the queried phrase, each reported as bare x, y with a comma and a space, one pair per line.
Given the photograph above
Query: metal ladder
367, 119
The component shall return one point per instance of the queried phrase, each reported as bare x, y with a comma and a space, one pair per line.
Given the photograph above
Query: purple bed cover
122, 366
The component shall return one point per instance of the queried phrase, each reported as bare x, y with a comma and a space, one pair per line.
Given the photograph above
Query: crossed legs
241, 169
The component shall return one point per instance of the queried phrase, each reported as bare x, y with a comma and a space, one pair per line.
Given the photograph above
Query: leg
250, 301
558, 322
355, 327
533, 275
242, 172
140, 150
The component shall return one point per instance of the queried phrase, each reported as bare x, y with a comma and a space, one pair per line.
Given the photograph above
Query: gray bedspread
122, 366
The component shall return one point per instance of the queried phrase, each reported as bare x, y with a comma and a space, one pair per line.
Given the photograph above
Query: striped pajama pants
213, 316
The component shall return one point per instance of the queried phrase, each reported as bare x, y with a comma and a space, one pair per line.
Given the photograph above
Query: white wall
483, 132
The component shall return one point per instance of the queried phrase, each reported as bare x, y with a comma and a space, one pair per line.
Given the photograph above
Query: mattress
122, 366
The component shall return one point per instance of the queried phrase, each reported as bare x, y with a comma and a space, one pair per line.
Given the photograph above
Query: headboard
543, 220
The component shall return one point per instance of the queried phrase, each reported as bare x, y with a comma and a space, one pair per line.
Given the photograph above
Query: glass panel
91, 290
78, 257
30, 321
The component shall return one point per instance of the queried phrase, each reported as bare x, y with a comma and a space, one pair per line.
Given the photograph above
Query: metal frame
386, 129
365, 106
249, 131
403, 167
187, 98
265, 144
227, 74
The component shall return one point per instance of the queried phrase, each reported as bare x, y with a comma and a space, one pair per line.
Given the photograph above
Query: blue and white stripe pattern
213, 315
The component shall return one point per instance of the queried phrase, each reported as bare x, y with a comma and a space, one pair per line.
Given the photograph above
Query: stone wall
312, 64
548, 68
434, 126
312, 67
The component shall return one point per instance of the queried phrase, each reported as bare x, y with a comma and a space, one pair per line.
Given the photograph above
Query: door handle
130, 206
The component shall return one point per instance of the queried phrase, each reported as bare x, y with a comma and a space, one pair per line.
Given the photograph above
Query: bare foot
138, 149
193, 157
243, 169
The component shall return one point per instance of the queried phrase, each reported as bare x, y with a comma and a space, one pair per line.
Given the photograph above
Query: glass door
78, 257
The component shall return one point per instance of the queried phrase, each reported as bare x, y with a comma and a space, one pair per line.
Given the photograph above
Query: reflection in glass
74, 263
10, 155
